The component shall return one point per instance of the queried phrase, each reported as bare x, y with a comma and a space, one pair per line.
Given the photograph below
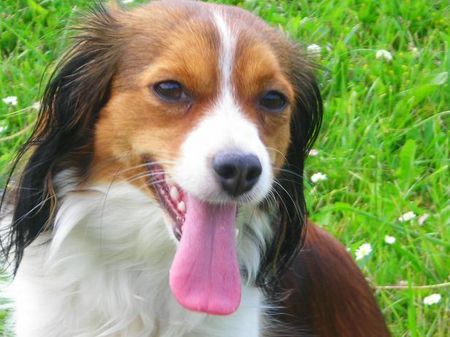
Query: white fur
224, 128
104, 272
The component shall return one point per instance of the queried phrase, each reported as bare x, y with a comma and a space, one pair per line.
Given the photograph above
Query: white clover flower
313, 152
421, 220
127, 1
10, 100
441, 78
414, 50
432, 299
383, 54
36, 105
3, 128
314, 50
318, 177
389, 239
364, 250
408, 216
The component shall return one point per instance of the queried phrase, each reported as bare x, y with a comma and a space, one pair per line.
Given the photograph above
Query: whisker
291, 172
145, 174
275, 194
149, 183
145, 165
277, 151
294, 203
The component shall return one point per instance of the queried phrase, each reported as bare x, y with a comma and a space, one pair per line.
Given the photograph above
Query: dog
163, 193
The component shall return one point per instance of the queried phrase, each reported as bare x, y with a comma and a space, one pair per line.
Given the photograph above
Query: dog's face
189, 108
203, 127
205, 103
203, 107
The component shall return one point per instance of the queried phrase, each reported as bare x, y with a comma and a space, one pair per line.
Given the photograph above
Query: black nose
237, 172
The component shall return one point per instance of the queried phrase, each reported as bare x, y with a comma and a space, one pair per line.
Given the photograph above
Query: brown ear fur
328, 295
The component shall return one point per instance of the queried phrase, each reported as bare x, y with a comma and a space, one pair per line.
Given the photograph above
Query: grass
383, 146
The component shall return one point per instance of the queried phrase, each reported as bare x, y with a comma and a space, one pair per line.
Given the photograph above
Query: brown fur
135, 124
101, 118
327, 293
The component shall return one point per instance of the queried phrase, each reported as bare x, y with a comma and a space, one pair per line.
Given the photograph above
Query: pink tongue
205, 274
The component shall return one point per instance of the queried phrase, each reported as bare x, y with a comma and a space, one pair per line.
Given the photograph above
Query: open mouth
170, 196
204, 275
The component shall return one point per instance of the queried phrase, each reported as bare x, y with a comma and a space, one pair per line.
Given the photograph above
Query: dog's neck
119, 213
111, 243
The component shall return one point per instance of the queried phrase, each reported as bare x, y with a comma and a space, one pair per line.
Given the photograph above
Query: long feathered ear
289, 224
62, 137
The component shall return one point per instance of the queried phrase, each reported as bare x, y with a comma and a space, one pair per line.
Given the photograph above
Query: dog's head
205, 108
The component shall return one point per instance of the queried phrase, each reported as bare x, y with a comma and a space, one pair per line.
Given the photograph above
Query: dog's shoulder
327, 294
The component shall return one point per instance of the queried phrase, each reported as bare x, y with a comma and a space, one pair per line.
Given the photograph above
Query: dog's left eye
171, 91
273, 101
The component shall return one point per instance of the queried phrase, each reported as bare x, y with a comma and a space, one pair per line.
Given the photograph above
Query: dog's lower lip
170, 196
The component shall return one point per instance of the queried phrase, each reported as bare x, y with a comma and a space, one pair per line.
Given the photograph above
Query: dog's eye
273, 101
170, 91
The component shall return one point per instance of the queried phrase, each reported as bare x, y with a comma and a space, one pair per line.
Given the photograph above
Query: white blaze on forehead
223, 128
227, 50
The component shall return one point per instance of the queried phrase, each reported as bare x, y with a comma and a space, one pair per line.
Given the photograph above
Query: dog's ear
77, 90
289, 190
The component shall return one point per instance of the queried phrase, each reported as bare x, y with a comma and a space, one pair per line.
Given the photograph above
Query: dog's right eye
171, 91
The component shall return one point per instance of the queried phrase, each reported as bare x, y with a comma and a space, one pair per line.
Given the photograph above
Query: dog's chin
173, 199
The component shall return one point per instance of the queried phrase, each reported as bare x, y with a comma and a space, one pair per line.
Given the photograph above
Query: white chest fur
104, 272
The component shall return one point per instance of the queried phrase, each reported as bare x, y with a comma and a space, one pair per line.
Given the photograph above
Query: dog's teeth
236, 232
169, 180
181, 206
174, 194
